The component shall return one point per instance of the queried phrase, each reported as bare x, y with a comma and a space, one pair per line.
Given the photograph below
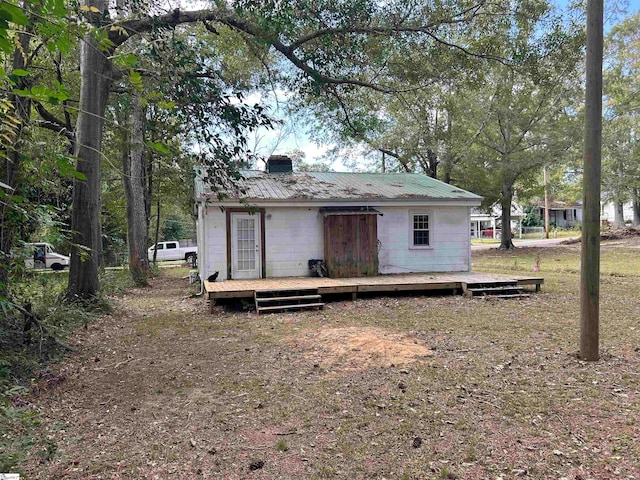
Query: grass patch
176, 272
619, 262
282, 446
115, 282
485, 241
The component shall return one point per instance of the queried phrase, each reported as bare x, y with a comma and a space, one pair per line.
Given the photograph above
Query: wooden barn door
351, 245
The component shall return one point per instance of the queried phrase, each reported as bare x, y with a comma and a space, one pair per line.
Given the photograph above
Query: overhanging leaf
159, 147
17, 15
67, 168
136, 79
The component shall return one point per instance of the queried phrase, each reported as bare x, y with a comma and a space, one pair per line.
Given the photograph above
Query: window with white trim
420, 230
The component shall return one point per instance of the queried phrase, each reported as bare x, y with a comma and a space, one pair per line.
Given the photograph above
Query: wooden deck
382, 283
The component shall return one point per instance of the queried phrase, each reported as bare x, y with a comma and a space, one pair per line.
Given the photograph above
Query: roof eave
467, 201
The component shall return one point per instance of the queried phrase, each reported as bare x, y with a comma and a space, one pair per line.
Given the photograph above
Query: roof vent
279, 164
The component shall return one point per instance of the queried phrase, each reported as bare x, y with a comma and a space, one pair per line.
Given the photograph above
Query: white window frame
412, 215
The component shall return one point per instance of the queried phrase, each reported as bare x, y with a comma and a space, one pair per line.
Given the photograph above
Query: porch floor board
381, 283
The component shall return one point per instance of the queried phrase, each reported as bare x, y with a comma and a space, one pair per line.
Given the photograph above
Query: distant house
356, 224
607, 212
486, 223
561, 214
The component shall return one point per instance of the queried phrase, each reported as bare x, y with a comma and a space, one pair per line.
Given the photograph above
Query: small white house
562, 214
357, 224
484, 222
608, 212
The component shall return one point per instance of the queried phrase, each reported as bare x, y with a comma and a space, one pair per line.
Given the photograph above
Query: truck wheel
57, 267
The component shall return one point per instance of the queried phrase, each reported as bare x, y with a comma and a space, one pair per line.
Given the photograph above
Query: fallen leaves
415, 387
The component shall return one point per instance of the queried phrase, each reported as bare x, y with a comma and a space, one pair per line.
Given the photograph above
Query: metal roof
560, 205
310, 186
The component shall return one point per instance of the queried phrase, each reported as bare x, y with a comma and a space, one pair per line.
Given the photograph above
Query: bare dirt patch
351, 349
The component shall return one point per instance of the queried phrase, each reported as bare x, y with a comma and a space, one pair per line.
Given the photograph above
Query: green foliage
34, 166
20, 361
172, 230
159, 147
18, 426
53, 96
59, 319
67, 167
621, 146
44, 18
114, 283
531, 217
136, 79
10, 13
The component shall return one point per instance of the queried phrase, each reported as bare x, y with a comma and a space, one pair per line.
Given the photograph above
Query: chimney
279, 164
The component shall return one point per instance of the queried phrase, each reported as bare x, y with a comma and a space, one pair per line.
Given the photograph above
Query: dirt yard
418, 387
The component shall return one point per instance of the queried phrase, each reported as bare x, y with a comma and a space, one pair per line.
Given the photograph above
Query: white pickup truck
43, 256
174, 250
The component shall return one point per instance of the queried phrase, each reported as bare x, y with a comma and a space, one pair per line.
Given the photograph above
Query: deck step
489, 284
489, 290
287, 299
290, 306
497, 292
514, 295
285, 292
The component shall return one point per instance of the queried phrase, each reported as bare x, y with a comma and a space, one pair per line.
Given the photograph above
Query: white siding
449, 238
200, 227
216, 243
295, 235
608, 212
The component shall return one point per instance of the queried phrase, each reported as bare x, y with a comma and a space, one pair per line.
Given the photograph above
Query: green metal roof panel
348, 186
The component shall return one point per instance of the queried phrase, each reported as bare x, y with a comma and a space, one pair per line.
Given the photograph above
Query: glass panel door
245, 246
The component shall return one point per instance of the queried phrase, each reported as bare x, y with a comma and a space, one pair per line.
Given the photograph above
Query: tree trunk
157, 234
134, 187
506, 198
148, 190
546, 205
447, 167
10, 166
148, 194
95, 81
635, 199
618, 204
618, 213
432, 164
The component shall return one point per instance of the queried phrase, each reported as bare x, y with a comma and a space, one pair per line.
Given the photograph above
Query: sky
293, 134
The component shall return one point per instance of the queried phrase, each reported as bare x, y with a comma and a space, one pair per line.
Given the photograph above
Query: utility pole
546, 204
590, 258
